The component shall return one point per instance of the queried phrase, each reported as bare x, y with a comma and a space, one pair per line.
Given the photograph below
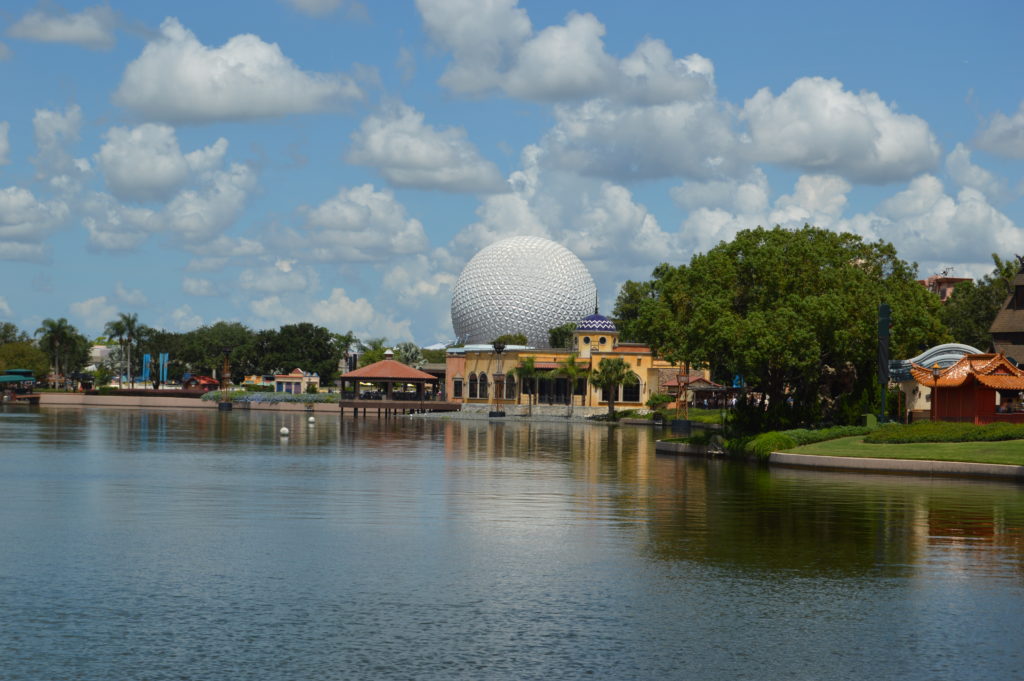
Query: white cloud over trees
92, 28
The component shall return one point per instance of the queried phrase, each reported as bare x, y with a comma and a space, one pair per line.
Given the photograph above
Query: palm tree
115, 330
131, 334
527, 371
610, 374
57, 336
572, 372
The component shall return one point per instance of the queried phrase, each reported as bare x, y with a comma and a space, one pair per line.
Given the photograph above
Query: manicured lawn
1006, 451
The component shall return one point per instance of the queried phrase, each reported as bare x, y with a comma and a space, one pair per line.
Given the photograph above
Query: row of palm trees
125, 330
609, 375
61, 341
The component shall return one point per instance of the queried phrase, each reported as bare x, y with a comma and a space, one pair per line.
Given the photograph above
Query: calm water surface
164, 545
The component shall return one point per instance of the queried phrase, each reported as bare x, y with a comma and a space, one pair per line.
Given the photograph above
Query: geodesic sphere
525, 284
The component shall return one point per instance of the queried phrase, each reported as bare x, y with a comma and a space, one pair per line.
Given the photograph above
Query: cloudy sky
339, 161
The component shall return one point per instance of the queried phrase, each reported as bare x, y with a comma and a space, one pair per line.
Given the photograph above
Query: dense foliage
944, 431
24, 355
792, 312
561, 336
973, 306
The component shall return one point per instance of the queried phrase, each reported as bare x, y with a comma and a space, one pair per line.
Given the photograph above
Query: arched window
631, 392
510, 387
472, 386
457, 387
483, 386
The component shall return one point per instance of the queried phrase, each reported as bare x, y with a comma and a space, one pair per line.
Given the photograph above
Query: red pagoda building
966, 391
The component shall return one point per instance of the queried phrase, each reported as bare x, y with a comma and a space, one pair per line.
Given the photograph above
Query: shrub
805, 436
762, 445
658, 400
943, 431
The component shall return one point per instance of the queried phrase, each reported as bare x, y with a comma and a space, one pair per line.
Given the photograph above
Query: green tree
786, 309
409, 353
130, 326
56, 338
609, 375
561, 336
372, 350
115, 330
973, 307
572, 372
9, 333
511, 339
24, 355
526, 374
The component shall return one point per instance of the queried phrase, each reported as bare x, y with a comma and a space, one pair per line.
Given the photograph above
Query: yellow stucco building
476, 374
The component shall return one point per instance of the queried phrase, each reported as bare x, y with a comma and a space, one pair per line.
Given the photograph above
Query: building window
472, 387
602, 340
510, 388
586, 340
483, 386
457, 387
631, 392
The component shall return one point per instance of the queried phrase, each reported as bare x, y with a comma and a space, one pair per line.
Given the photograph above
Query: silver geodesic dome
524, 284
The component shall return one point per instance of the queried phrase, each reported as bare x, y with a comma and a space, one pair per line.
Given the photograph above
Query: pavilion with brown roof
966, 391
388, 372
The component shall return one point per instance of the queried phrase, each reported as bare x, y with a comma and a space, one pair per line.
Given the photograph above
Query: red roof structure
389, 370
966, 391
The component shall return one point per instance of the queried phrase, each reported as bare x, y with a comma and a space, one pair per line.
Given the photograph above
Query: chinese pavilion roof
990, 370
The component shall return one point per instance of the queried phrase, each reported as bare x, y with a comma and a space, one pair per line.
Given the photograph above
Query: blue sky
339, 162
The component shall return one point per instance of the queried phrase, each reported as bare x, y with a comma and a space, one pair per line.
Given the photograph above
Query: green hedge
943, 431
805, 436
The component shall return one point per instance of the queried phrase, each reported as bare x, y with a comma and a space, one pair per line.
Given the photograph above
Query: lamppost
224, 404
935, 391
499, 379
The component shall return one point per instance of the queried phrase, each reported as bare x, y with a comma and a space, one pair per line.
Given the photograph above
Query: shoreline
918, 467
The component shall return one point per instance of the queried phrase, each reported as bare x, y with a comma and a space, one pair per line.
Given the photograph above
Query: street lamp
499, 379
224, 404
935, 391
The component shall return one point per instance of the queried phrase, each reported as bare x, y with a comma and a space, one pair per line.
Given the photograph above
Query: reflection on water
200, 544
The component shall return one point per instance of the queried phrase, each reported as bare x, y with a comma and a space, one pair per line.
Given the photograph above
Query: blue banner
163, 366
145, 367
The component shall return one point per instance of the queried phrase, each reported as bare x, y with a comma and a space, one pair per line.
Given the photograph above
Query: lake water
201, 545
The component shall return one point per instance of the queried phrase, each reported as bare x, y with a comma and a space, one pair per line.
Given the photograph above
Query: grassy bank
1005, 452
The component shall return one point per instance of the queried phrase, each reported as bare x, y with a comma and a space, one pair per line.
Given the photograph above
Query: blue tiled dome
596, 322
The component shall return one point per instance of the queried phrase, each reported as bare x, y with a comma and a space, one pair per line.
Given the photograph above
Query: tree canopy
561, 336
794, 312
973, 307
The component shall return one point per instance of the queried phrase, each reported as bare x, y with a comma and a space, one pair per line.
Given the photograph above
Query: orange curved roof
990, 370
389, 369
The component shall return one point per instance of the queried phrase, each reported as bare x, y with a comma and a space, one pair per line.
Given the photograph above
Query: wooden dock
392, 407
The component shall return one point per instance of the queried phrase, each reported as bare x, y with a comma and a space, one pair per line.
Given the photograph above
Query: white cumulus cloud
26, 222
93, 27
410, 153
361, 224
143, 163
1004, 135
197, 286
198, 215
5, 309
967, 174
94, 313
134, 297
819, 127
178, 79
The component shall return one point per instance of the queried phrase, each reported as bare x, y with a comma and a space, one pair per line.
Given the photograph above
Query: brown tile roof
1010, 320
990, 370
389, 369
1014, 351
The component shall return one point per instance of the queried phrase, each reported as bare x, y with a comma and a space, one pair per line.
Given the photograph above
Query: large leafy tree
790, 311
10, 333
201, 350
372, 350
57, 340
561, 336
409, 353
973, 306
609, 375
24, 355
115, 331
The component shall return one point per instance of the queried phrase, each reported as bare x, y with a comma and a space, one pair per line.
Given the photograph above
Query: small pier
388, 408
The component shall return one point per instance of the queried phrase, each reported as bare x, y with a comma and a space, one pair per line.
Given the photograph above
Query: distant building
942, 285
476, 374
200, 383
298, 381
